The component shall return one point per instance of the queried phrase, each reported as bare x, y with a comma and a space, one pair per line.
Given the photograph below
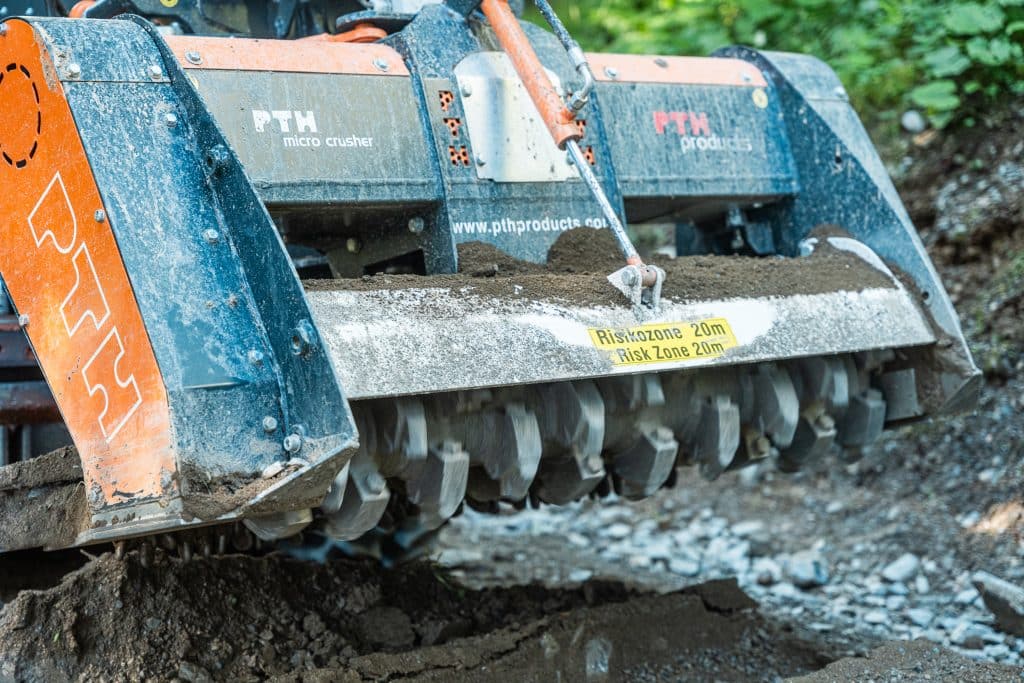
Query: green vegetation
951, 59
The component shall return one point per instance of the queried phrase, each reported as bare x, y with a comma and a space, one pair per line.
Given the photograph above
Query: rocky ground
864, 571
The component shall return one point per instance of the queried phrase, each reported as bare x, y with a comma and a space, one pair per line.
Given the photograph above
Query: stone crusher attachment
245, 267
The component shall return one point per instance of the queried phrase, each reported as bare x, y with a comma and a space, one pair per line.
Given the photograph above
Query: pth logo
85, 311
694, 130
287, 120
684, 122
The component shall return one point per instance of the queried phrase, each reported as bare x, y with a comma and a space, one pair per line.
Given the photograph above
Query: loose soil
580, 261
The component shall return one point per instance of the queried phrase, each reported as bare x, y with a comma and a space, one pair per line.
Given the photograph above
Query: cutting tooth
571, 419
441, 486
401, 436
363, 503
717, 439
776, 404
815, 434
641, 469
505, 443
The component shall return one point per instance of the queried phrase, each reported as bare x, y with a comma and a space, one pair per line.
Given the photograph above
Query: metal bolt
594, 463
840, 92
480, 161
23, 319
762, 446
211, 236
825, 422
381, 64
292, 443
353, 245
611, 72
193, 57
745, 77
3, 30
255, 357
155, 72
100, 215
629, 278
467, 90
416, 225
171, 120
74, 70
270, 424
662, 62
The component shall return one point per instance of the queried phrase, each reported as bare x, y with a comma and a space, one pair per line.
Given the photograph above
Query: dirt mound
912, 661
239, 617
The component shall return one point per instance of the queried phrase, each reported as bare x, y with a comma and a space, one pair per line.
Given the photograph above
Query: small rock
313, 625
968, 635
744, 529
580, 575
193, 673
578, 539
785, 590
998, 651
152, 624
966, 596
684, 567
920, 616
1004, 599
618, 531
876, 616
921, 584
913, 122
767, 570
895, 603
903, 569
639, 562
834, 507
806, 570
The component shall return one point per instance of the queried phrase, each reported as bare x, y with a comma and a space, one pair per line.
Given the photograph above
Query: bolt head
100, 215
353, 245
594, 463
3, 30
467, 90
155, 72
171, 120
211, 236
825, 422
255, 357
381, 64
662, 62
74, 70
611, 72
193, 57
416, 225
23, 319
630, 278
480, 161
270, 424
292, 443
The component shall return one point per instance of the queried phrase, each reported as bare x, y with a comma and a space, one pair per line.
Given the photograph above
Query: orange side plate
64, 272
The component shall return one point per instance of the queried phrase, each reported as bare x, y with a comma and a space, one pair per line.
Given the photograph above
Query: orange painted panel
65, 274
300, 56
679, 70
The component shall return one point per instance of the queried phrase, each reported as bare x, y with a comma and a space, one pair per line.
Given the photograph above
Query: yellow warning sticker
665, 342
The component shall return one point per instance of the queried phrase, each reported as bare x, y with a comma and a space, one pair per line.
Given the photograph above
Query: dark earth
950, 491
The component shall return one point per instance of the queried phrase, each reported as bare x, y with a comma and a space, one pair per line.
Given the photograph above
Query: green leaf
971, 19
1014, 27
990, 52
948, 61
937, 96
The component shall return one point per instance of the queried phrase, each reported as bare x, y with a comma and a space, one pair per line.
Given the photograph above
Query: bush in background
950, 58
